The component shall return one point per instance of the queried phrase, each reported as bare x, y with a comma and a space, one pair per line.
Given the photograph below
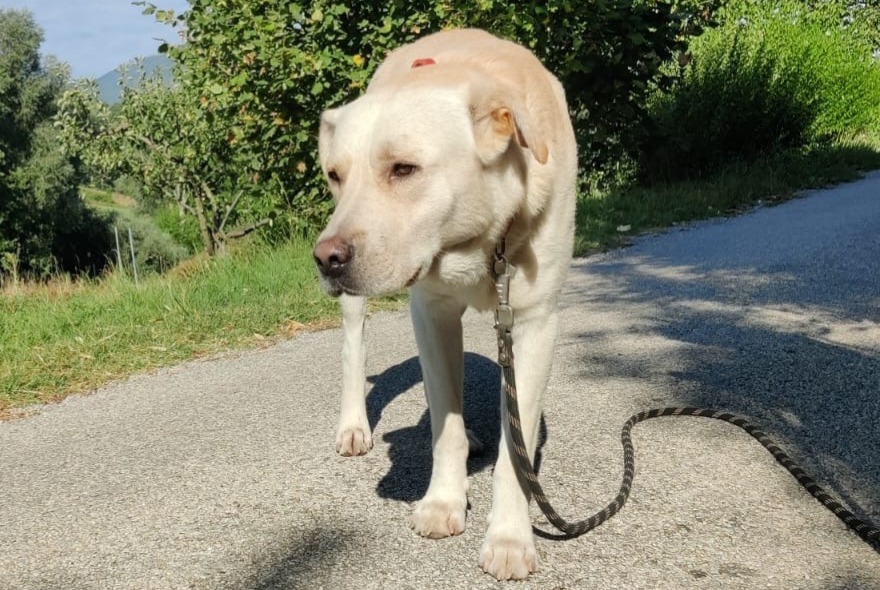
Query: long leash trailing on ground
503, 271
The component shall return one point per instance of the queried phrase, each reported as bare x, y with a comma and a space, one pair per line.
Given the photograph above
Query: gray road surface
222, 473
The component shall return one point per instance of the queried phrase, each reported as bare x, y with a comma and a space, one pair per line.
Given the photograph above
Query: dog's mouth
337, 286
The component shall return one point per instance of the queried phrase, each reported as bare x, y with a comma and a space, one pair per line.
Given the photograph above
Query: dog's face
408, 171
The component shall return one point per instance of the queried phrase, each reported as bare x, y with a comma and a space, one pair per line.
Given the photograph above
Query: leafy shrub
772, 76
859, 18
183, 229
155, 250
129, 186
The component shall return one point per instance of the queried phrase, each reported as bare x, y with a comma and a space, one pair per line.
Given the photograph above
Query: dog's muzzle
333, 256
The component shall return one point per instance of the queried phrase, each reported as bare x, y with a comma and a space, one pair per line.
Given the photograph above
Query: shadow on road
388, 385
410, 447
301, 557
769, 345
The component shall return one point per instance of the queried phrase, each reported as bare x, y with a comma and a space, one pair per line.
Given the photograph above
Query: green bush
772, 76
155, 249
183, 229
859, 18
51, 228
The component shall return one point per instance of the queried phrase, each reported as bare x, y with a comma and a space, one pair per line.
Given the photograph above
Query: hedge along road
222, 473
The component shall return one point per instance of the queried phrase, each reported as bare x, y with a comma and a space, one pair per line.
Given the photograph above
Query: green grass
71, 337
97, 198
609, 218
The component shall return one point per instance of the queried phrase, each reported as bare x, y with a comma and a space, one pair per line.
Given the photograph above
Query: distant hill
108, 84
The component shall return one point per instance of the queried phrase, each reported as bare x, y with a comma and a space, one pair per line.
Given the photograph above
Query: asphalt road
222, 473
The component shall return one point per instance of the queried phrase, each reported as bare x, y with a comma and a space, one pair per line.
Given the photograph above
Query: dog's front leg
508, 551
437, 323
353, 434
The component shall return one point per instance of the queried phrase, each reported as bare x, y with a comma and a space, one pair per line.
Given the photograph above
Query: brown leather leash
503, 271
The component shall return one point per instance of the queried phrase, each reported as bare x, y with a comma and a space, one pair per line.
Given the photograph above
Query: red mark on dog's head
423, 61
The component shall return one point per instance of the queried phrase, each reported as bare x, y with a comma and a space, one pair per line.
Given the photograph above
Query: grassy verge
71, 337
606, 219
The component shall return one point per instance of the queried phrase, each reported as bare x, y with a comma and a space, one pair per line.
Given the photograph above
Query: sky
95, 36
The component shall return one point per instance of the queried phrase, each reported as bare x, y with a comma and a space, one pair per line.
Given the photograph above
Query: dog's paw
508, 557
353, 441
437, 519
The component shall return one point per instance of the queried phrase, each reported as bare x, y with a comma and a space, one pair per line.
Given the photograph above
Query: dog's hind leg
353, 436
437, 323
508, 552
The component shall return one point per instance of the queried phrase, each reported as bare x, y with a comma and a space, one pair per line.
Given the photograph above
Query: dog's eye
333, 176
401, 170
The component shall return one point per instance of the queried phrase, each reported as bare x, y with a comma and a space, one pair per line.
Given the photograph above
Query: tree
23, 86
156, 137
44, 225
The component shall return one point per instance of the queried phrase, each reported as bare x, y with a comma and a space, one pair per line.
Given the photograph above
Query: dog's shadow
410, 447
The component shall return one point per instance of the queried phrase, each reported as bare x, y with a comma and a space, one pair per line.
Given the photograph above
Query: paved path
222, 473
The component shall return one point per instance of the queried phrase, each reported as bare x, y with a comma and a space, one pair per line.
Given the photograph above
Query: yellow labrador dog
461, 140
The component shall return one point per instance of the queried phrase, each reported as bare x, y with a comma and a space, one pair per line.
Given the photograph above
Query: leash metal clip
503, 271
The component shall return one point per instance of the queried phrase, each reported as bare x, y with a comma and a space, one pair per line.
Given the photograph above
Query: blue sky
95, 36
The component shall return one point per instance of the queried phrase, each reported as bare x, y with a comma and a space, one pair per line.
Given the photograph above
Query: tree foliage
44, 225
235, 141
265, 71
153, 137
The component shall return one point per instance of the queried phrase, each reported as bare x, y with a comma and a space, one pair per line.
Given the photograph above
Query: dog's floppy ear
499, 117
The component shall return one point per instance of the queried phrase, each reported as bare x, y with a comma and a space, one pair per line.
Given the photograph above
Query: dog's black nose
332, 254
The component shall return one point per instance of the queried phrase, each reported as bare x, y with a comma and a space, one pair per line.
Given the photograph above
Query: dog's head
429, 165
